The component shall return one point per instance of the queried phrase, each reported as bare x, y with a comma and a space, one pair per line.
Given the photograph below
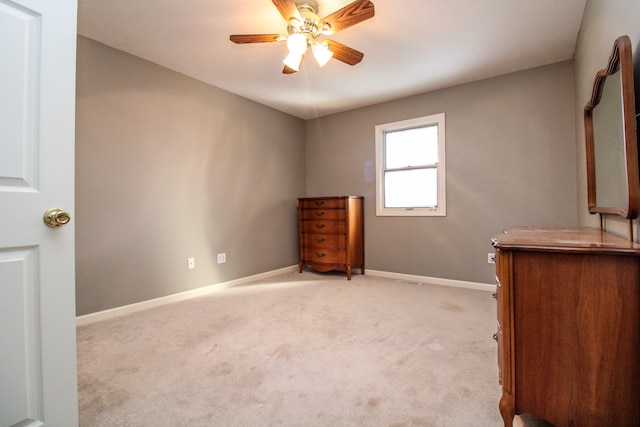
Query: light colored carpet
304, 349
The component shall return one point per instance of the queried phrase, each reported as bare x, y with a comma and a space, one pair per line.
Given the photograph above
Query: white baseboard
433, 280
132, 308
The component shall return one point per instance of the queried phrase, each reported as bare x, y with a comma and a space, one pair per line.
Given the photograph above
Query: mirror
613, 184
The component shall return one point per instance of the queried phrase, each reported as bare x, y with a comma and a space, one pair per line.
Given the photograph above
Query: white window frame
381, 130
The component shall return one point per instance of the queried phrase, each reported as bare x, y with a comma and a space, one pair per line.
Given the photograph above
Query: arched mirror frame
620, 59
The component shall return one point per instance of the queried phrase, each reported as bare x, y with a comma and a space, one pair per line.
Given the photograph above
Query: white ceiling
409, 46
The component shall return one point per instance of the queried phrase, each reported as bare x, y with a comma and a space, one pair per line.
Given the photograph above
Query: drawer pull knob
494, 296
319, 240
319, 225
495, 336
319, 203
319, 213
319, 255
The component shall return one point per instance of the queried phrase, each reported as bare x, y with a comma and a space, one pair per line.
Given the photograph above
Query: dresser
568, 326
331, 233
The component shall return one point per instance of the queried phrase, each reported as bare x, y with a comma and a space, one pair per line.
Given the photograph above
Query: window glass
410, 167
411, 147
411, 188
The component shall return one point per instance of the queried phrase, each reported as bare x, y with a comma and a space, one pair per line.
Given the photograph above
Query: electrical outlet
222, 258
191, 263
491, 258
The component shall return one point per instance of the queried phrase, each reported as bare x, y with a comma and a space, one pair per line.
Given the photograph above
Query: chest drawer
331, 203
327, 256
326, 241
322, 227
338, 214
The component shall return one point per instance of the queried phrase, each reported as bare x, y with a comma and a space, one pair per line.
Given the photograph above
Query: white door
37, 279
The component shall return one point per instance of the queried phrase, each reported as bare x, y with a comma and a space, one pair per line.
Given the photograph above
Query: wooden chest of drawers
331, 233
568, 326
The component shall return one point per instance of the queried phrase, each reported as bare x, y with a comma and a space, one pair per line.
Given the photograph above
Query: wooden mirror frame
620, 59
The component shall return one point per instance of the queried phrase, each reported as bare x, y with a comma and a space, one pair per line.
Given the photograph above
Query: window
410, 167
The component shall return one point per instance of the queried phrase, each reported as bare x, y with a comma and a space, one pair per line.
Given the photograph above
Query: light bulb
293, 61
321, 53
297, 43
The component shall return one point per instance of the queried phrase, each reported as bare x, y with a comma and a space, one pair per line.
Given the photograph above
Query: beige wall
510, 161
169, 168
603, 22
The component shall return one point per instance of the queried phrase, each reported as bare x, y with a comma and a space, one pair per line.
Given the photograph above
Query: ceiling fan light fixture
304, 27
293, 61
297, 44
322, 53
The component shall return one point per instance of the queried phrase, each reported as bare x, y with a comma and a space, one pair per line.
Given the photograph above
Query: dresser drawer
339, 214
327, 256
322, 203
329, 227
326, 241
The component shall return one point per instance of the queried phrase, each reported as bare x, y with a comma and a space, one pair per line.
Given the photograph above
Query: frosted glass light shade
322, 53
293, 61
297, 44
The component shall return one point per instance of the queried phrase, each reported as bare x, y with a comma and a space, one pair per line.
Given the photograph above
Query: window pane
416, 188
411, 147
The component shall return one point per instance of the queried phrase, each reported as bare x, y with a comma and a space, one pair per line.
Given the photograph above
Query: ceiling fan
305, 27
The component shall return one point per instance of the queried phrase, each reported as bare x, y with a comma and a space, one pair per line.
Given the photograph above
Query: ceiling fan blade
351, 14
344, 53
289, 70
287, 9
256, 38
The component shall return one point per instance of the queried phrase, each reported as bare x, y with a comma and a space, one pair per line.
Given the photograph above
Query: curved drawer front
313, 214
323, 204
325, 256
324, 241
322, 227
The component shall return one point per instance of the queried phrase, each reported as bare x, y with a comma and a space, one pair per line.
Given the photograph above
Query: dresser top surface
330, 197
571, 239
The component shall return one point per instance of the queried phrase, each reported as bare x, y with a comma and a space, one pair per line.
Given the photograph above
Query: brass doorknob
56, 217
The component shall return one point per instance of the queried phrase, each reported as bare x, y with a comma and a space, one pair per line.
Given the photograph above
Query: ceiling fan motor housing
310, 24
308, 5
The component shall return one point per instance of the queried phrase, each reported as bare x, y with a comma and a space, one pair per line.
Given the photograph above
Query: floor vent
408, 282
